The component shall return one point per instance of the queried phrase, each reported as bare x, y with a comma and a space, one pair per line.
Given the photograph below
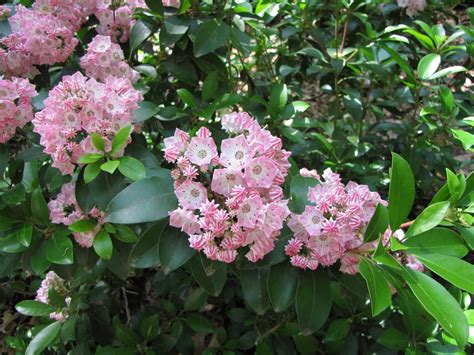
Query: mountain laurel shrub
233, 177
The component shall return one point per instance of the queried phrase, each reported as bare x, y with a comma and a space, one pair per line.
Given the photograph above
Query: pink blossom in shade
64, 209
15, 106
201, 151
412, 6
53, 281
198, 241
250, 212
224, 180
235, 153
226, 256
293, 247
260, 172
298, 229
311, 219
350, 263
260, 245
86, 239
4, 12
116, 21
172, 3
105, 58
191, 195
275, 215
184, 219
72, 13
79, 106
309, 173
37, 38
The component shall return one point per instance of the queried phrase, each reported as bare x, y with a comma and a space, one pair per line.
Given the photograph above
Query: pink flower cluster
65, 209
78, 106
15, 106
115, 18
333, 225
72, 13
37, 38
53, 281
232, 200
412, 6
4, 12
172, 3
105, 58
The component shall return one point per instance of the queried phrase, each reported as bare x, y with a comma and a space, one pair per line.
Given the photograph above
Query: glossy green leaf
24, 234
97, 141
59, 250
132, 168
44, 338
103, 245
110, 166
338, 330
145, 111
278, 98
394, 339
436, 241
282, 284
90, 158
447, 71
254, 287
91, 171
187, 97
458, 272
125, 234
145, 252
210, 275
379, 291
299, 191
174, 249
377, 225
210, 36
428, 219
83, 225
138, 34
313, 300
401, 193
439, 303
120, 139
34, 308
428, 65
146, 200
39, 207
210, 85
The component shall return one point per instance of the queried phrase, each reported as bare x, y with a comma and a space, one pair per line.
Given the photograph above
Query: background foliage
345, 84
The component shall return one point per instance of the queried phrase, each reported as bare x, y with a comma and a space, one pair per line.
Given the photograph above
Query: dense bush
236, 177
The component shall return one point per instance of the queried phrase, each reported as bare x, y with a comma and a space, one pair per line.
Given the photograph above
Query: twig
127, 311
406, 224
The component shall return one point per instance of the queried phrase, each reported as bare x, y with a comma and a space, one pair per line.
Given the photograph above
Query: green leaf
59, 250
401, 62
447, 99
337, 330
313, 300
394, 339
44, 338
299, 191
278, 98
98, 141
120, 139
439, 303
155, 6
90, 158
199, 323
282, 283
146, 200
209, 88
145, 111
132, 168
401, 193
447, 71
173, 249
39, 207
125, 234
379, 291
466, 138
377, 225
15, 195
110, 166
24, 234
83, 225
428, 219
210, 275
428, 65
34, 308
456, 271
210, 36
254, 287
91, 171
436, 241
138, 34
11, 243
187, 97
103, 245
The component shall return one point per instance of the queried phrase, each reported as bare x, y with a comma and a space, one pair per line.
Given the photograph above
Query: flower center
323, 237
195, 193
239, 155
246, 208
202, 154
230, 177
315, 219
257, 169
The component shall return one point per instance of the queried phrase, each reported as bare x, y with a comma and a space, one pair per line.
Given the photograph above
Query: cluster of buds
233, 200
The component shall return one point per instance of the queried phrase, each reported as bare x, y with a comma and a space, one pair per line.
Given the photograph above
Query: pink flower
237, 122
64, 208
191, 194
171, 3
260, 172
250, 212
185, 220
15, 106
293, 247
201, 151
236, 153
224, 180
